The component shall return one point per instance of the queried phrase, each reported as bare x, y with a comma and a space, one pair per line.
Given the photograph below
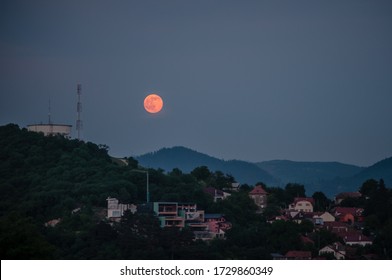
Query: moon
153, 103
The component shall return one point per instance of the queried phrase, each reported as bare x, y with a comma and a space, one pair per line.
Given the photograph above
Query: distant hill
186, 160
379, 170
292, 171
328, 177
325, 176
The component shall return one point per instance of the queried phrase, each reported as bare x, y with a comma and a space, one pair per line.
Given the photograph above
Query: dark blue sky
251, 80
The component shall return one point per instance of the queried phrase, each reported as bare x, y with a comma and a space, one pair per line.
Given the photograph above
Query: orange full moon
153, 103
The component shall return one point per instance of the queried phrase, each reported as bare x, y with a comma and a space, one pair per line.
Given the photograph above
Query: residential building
116, 210
168, 214
234, 187
302, 204
356, 238
217, 225
337, 249
216, 193
259, 196
348, 215
319, 218
190, 212
327, 217
336, 227
342, 196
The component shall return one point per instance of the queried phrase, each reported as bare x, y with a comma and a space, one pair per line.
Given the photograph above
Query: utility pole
79, 123
148, 182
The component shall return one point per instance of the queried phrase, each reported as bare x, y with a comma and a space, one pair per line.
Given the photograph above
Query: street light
148, 179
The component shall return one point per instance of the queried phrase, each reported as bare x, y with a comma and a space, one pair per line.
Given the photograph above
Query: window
116, 214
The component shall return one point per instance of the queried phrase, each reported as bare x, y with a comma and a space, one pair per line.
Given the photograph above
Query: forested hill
187, 159
54, 179
42, 174
44, 178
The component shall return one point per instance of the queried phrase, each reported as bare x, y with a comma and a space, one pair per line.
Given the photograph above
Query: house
234, 187
168, 214
116, 210
327, 217
216, 193
348, 215
336, 227
356, 238
302, 204
217, 224
319, 218
298, 255
298, 217
190, 212
342, 196
52, 223
337, 249
259, 196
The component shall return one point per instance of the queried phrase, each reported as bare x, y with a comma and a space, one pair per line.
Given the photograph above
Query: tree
132, 163
369, 188
321, 201
138, 235
294, 190
283, 236
201, 173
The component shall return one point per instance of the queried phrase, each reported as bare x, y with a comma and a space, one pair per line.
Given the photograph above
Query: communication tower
50, 119
79, 123
49, 113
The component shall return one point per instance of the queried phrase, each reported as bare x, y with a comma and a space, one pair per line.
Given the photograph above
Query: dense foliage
52, 178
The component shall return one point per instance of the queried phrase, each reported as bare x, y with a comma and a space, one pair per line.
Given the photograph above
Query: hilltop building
51, 129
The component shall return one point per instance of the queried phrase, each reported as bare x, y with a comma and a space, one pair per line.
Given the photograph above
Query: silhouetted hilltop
308, 172
186, 160
379, 170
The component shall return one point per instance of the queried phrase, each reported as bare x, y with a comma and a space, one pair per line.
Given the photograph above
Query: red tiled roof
355, 237
308, 199
344, 195
258, 190
306, 240
338, 211
213, 192
335, 226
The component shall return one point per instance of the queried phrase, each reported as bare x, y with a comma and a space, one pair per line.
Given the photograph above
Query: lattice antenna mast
49, 113
79, 123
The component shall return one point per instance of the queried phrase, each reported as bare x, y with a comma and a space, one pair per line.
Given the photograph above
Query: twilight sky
250, 80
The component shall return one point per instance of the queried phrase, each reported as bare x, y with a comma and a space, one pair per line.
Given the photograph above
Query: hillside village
345, 222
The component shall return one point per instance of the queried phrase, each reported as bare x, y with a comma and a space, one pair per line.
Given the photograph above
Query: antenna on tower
49, 113
79, 123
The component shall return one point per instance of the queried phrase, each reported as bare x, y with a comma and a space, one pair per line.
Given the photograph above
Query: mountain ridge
187, 159
328, 177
